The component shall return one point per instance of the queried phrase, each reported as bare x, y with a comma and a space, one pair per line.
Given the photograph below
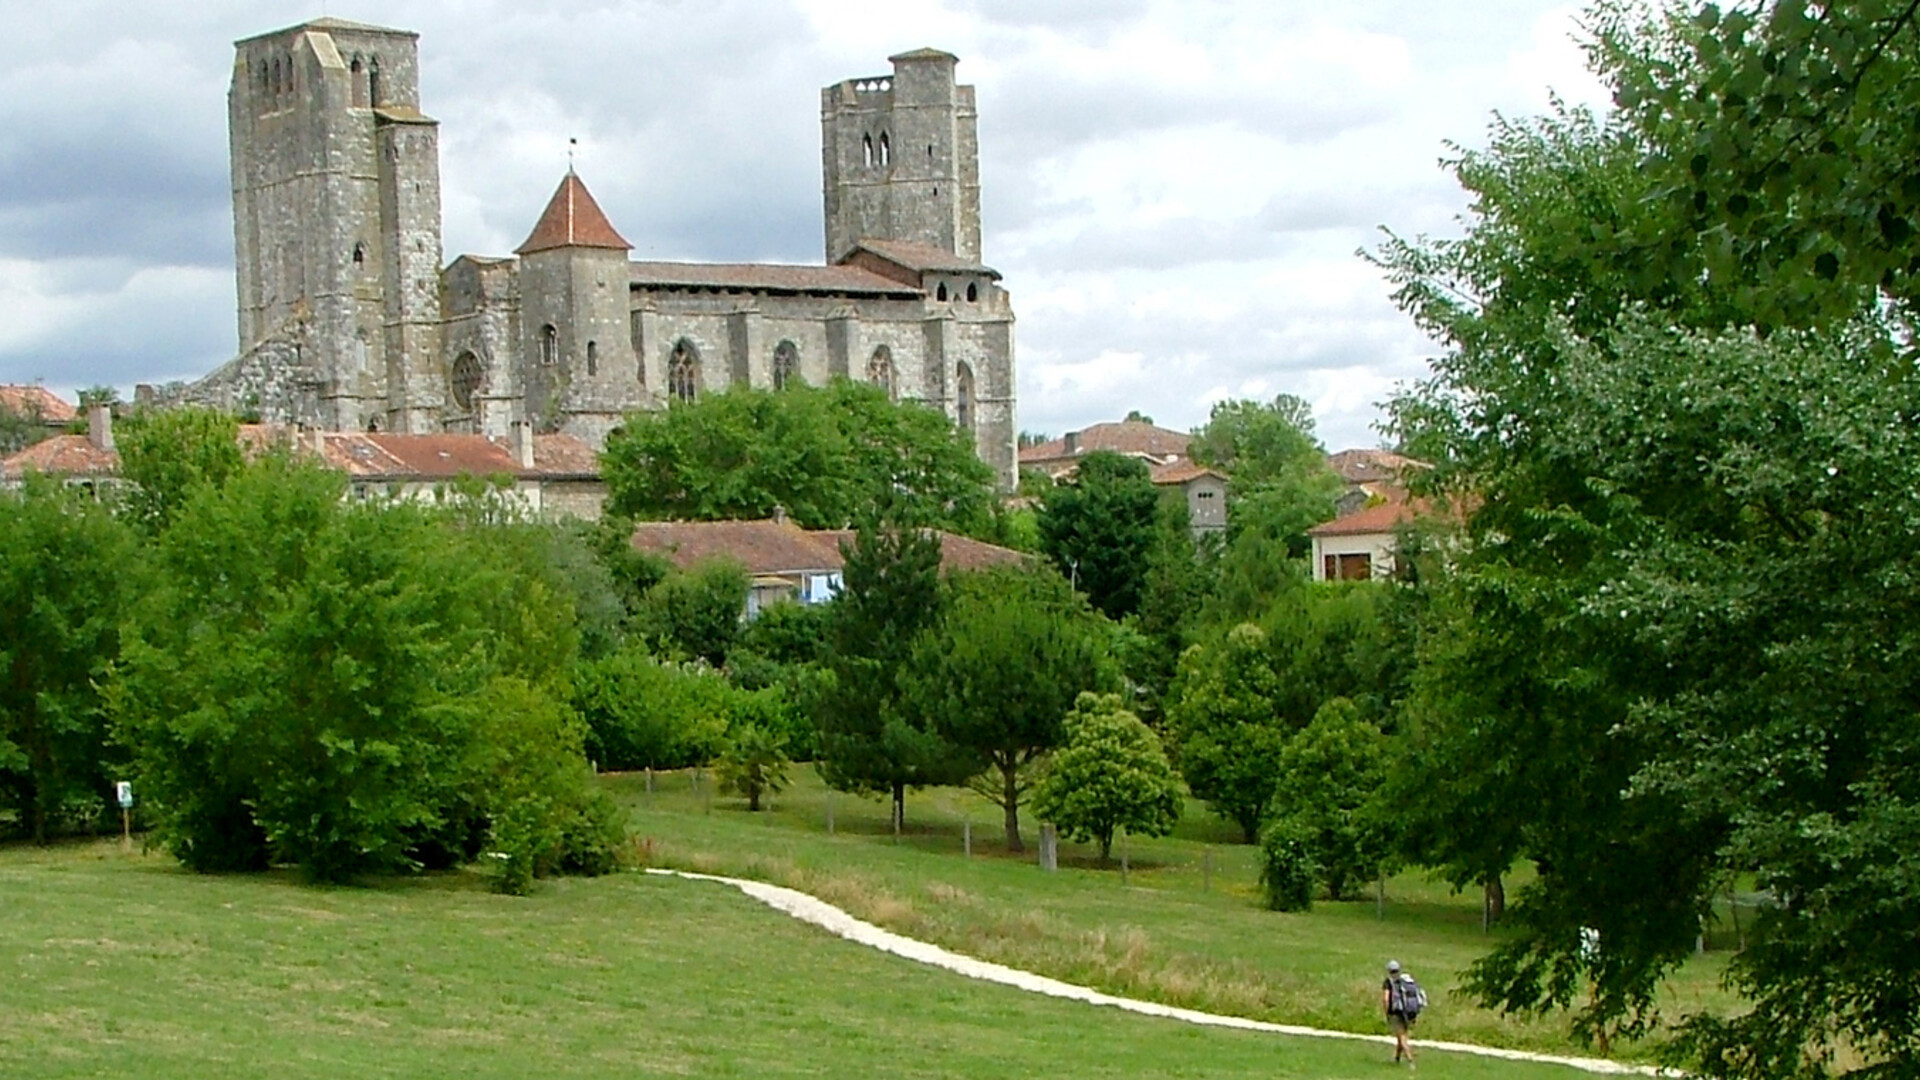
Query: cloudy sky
1174, 191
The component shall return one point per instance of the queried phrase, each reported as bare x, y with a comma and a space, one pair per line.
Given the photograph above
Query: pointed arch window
866, 150
683, 371
466, 380
358, 80
786, 365
593, 359
880, 371
963, 412
941, 293
886, 150
549, 345
373, 82
973, 292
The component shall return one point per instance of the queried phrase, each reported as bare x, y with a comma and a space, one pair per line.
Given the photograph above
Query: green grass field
116, 964
1173, 932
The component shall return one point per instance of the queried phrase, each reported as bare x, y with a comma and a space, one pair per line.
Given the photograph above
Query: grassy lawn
117, 964
1173, 932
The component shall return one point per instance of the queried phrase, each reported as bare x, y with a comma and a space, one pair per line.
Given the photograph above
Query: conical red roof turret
572, 219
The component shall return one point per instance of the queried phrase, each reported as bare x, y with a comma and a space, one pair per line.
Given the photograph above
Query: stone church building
351, 321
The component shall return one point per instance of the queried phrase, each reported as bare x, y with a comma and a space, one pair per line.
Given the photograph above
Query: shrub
1287, 866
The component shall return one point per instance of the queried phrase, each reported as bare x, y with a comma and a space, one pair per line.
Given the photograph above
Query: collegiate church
351, 321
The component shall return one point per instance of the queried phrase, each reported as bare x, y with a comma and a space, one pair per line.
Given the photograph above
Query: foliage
1180, 578
1326, 797
168, 454
997, 677
1226, 731
753, 762
1288, 870
642, 712
1282, 485
695, 613
869, 740
1098, 528
534, 790
1111, 774
828, 455
314, 681
1778, 143
68, 569
1670, 387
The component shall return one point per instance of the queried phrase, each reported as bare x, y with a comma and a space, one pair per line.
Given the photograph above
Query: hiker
1402, 999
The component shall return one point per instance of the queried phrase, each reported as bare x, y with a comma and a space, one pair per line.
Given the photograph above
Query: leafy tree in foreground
328, 684
1099, 526
997, 677
645, 713
68, 570
1112, 774
1685, 590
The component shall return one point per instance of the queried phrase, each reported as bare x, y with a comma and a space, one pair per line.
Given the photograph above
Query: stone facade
348, 321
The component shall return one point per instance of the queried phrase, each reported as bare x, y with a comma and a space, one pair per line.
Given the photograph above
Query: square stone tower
902, 158
336, 208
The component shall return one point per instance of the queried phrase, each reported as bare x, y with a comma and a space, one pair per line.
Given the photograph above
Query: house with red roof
787, 563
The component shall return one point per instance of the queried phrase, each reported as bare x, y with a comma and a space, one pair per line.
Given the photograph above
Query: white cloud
1174, 189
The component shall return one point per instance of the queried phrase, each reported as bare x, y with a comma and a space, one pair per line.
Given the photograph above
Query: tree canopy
1112, 774
1099, 525
829, 455
1674, 391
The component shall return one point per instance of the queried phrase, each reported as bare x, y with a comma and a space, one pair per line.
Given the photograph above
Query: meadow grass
1186, 927
123, 964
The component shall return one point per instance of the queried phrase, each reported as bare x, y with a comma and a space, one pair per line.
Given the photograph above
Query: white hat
1393, 967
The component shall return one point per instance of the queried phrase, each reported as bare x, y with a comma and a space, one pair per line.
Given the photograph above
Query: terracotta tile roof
62, 455
922, 257
771, 277
1366, 466
764, 547
1396, 509
26, 400
1124, 437
386, 456
572, 219
1179, 472
769, 548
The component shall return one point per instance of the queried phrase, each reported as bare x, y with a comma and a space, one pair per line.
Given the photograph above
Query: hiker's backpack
1408, 998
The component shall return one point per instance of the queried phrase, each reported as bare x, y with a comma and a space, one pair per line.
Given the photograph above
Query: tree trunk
1010, 802
1496, 899
753, 798
899, 806
1106, 848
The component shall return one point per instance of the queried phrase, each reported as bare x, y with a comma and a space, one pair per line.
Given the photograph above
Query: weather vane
571, 144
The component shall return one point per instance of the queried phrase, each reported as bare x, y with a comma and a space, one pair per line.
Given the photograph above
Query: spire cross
572, 143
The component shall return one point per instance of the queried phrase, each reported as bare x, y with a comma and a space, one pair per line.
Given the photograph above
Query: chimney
523, 443
100, 425
1072, 439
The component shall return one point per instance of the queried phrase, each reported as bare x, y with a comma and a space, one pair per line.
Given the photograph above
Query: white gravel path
822, 914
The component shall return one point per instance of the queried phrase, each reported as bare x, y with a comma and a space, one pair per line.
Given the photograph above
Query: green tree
168, 454
1112, 774
997, 677
753, 762
68, 570
1098, 527
869, 740
1281, 483
828, 455
313, 682
1327, 794
1226, 730
645, 713
1685, 424
696, 613
20, 429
